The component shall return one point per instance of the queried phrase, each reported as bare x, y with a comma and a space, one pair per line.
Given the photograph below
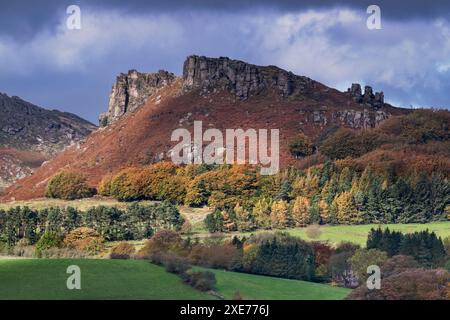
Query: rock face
368, 98
242, 79
25, 126
349, 118
130, 91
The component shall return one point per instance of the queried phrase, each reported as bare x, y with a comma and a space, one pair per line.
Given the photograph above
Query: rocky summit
241, 78
131, 91
244, 80
368, 98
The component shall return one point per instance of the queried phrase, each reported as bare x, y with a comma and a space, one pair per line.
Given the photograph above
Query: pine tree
440, 197
346, 210
374, 238
279, 216
261, 213
330, 190
345, 180
372, 204
422, 200
403, 201
326, 173
300, 211
285, 191
324, 212
314, 211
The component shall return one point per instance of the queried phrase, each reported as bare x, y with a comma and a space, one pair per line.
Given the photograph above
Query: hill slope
29, 135
255, 287
37, 279
137, 279
224, 94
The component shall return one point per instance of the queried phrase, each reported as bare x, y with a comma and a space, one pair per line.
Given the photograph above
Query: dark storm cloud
391, 8
24, 17
43, 62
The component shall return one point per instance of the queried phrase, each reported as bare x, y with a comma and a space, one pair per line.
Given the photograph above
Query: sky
50, 65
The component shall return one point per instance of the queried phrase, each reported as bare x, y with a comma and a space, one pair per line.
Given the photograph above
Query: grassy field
100, 279
358, 234
355, 233
254, 287
136, 279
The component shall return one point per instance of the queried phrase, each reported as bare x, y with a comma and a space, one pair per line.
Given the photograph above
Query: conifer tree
261, 213
300, 212
280, 216
324, 212
346, 210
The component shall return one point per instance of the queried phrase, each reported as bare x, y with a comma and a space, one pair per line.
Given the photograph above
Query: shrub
313, 231
213, 255
412, 284
349, 143
446, 243
22, 249
124, 185
48, 240
280, 255
174, 264
163, 242
214, 221
203, 280
420, 126
301, 146
58, 253
123, 250
68, 186
3, 248
398, 264
364, 258
84, 239
104, 187
160, 182
447, 265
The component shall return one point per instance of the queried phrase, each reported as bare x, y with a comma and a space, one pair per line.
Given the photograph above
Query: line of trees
325, 194
135, 222
425, 247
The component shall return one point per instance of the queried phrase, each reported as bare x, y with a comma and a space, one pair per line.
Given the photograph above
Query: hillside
222, 93
30, 135
37, 279
133, 279
255, 287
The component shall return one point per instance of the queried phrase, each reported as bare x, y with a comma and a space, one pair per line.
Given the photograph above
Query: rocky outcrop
242, 79
25, 126
360, 119
131, 90
368, 98
349, 118
29, 135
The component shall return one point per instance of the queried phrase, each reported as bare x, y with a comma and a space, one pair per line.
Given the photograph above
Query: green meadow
37, 279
